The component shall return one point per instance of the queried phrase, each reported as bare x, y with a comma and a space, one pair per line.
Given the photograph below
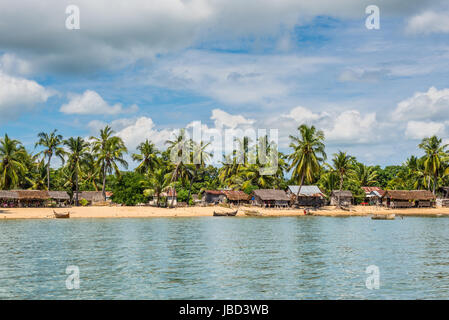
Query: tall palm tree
109, 151
342, 165
38, 178
147, 157
308, 153
78, 152
12, 154
200, 156
435, 155
52, 144
178, 147
364, 176
159, 182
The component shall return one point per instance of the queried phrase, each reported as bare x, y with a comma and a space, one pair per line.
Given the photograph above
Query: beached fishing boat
390, 216
225, 214
63, 215
252, 213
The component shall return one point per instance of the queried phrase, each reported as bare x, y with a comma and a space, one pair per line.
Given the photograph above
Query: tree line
94, 165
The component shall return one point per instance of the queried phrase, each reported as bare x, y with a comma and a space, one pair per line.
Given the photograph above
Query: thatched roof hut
409, 195
90, 196
32, 194
308, 195
236, 196
271, 198
213, 196
344, 196
9, 195
408, 198
59, 195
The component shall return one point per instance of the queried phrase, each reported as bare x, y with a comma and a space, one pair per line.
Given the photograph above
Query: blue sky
146, 67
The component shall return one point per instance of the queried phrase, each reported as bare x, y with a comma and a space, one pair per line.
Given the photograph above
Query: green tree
342, 165
435, 155
148, 158
109, 151
12, 154
308, 153
52, 144
78, 151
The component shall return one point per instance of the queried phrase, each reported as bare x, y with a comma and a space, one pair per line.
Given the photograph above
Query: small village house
373, 195
213, 196
408, 199
270, 198
310, 196
92, 197
236, 197
61, 198
170, 195
32, 198
443, 200
345, 197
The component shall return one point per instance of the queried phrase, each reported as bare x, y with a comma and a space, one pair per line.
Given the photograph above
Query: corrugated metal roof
306, 191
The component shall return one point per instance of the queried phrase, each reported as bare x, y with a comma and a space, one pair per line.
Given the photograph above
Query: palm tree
364, 176
91, 172
52, 143
435, 155
147, 157
308, 153
177, 147
160, 182
200, 157
78, 152
109, 151
12, 155
38, 179
342, 165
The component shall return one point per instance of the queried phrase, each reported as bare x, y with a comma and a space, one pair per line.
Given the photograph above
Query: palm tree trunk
339, 193
172, 179
299, 189
434, 183
103, 189
77, 188
190, 187
48, 173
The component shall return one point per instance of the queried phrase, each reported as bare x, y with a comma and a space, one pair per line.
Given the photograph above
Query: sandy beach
149, 212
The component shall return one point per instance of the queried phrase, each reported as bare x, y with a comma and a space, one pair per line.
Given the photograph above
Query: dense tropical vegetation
98, 163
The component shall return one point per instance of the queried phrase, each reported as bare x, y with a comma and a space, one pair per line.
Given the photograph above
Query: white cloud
13, 65
429, 22
304, 115
430, 105
91, 102
18, 95
351, 126
139, 130
423, 129
222, 118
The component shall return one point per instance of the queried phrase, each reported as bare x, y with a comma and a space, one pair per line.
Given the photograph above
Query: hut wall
310, 201
214, 198
344, 201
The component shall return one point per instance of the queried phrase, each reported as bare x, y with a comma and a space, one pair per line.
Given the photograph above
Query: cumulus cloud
423, 129
429, 22
222, 118
430, 105
18, 95
348, 126
90, 102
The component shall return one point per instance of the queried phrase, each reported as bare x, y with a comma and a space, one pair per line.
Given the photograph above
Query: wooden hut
62, 198
92, 197
345, 197
270, 198
32, 198
236, 197
213, 196
408, 199
8, 198
309, 196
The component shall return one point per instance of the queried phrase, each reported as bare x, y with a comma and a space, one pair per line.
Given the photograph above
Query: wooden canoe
63, 215
253, 213
390, 216
225, 214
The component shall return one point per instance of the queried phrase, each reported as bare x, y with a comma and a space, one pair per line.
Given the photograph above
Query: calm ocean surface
225, 258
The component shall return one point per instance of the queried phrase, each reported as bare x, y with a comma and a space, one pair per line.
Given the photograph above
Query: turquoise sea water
225, 258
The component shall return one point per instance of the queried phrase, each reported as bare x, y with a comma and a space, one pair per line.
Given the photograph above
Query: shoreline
154, 212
